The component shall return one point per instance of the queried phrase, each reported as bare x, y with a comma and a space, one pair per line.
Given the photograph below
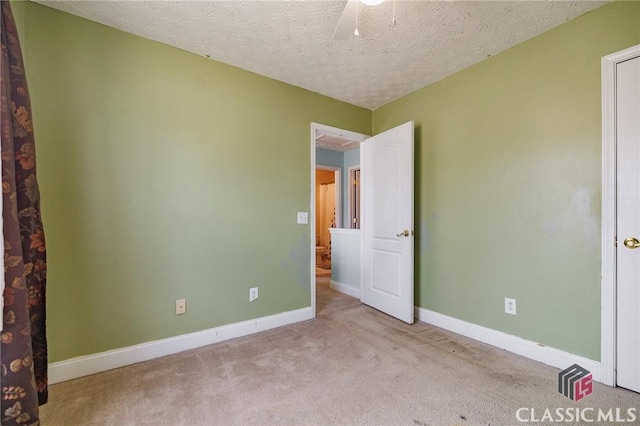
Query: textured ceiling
291, 41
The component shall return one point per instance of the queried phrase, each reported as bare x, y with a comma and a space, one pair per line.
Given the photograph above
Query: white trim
95, 363
345, 134
608, 284
527, 348
345, 231
344, 288
312, 220
351, 194
315, 127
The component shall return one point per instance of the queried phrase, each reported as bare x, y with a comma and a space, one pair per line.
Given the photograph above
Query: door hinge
615, 243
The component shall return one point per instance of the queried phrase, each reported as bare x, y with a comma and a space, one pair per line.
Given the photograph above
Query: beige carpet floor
350, 365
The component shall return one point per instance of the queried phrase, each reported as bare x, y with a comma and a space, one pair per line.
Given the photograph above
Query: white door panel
628, 223
387, 199
385, 272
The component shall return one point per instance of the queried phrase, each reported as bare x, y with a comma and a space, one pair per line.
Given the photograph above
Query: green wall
508, 183
164, 175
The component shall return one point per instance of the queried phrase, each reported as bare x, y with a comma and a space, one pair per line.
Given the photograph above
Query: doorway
620, 358
328, 147
328, 212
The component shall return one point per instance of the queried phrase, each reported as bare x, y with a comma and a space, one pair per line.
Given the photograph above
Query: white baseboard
95, 363
344, 288
527, 348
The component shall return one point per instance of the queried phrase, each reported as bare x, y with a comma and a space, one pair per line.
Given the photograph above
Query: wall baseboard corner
527, 348
90, 364
344, 288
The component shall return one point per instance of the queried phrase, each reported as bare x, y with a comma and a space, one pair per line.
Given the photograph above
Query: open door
387, 222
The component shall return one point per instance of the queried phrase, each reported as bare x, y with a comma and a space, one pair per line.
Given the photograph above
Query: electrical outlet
510, 306
303, 218
181, 306
253, 294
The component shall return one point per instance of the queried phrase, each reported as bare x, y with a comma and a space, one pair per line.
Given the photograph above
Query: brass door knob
405, 233
631, 243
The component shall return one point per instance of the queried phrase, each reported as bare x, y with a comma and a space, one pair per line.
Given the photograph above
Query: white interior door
628, 223
387, 222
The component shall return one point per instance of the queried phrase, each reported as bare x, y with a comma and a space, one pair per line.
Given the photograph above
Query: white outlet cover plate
253, 294
510, 306
181, 306
303, 218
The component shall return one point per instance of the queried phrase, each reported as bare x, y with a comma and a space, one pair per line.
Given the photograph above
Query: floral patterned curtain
23, 338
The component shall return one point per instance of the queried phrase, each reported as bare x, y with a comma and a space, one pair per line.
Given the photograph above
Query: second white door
628, 223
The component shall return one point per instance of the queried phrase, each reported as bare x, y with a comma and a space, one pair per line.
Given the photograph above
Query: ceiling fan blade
347, 22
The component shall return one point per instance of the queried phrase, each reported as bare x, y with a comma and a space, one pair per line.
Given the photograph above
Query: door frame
315, 127
350, 197
608, 345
